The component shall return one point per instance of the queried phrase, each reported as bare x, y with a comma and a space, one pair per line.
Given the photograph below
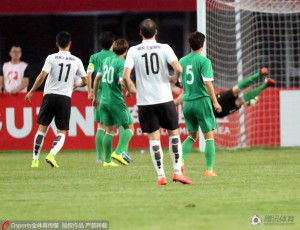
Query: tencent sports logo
5, 225
255, 220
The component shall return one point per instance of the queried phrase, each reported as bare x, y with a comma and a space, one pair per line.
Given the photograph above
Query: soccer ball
252, 102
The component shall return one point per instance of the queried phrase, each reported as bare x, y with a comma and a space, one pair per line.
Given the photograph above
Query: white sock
157, 157
58, 143
38, 144
175, 150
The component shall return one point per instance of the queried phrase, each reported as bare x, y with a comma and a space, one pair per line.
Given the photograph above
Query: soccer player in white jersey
156, 107
61, 69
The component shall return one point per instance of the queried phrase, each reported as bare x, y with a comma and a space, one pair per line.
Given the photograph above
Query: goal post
242, 36
201, 27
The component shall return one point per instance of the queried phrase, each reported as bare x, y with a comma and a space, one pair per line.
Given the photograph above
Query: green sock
245, 83
254, 92
187, 147
99, 142
107, 145
121, 129
125, 137
210, 154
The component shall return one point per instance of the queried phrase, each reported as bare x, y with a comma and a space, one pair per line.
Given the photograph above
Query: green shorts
114, 114
199, 112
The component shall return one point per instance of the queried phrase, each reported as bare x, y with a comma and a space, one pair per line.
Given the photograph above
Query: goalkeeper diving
230, 100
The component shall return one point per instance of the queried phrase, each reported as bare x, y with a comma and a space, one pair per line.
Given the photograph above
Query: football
252, 102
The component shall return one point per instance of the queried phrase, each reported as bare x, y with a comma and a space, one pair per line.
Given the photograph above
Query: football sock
210, 154
254, 92
245, 83
125, 137
107, 146
58, 143
99, 142
38, 144
187, 147
175, 150
157, 157
121, 129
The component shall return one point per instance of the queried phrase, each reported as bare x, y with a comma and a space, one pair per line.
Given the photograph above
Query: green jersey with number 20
111, 72
196, 69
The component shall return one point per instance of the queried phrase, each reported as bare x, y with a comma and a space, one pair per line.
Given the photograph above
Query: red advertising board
64, 6
18, 124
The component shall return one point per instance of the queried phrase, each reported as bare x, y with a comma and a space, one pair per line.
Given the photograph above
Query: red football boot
162, 181
182, 179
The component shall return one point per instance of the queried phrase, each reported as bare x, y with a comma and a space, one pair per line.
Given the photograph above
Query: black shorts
154, 117
227, 101
58, 107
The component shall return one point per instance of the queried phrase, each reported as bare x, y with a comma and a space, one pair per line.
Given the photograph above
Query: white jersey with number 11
62, 67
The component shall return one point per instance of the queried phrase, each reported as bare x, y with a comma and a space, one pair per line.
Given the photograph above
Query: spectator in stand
14, 74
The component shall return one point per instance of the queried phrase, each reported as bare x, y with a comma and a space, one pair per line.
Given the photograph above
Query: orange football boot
210, 173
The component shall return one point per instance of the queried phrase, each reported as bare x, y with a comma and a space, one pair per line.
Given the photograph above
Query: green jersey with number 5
196, 69
111, 72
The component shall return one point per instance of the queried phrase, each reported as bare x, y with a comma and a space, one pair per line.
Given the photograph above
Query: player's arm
173, 61
1, 83
94, 84
81, 73
207, 76
96, 89
90, 70
128, 83
38, 82
177, 71
179, 92
211, 92
89, 85
178, 100
128, 66
83, 83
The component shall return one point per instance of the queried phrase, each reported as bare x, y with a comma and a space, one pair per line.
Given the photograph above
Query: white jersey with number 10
150, 61
62, 67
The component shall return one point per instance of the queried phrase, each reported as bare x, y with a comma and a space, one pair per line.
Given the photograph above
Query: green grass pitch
263, 181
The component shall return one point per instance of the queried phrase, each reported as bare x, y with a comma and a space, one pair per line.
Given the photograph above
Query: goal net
242, 37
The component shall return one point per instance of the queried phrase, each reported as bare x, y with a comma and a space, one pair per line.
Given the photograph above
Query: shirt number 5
189, 72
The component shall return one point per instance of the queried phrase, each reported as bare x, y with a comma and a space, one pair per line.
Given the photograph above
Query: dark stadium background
34, 24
